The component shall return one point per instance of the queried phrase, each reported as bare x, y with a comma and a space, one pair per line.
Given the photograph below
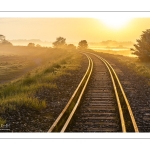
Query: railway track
98, 106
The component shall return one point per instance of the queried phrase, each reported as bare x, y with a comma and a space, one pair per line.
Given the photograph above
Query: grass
140, 68
19, 101
19, 60
22, 92
12, 65
52, 68
2, 121
134, 64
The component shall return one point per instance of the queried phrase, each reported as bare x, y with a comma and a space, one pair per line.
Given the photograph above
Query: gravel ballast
136, 89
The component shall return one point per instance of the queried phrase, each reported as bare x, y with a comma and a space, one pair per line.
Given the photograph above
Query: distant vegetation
31, 45
111, 43
60, 43
3, 41
34, 45
83, 45
142, 48
25, 42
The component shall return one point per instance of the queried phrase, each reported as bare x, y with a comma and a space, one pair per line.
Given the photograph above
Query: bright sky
74, 29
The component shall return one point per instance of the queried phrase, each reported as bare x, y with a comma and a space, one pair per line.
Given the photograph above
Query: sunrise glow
116, 22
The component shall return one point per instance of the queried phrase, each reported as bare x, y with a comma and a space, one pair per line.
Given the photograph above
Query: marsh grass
22, 93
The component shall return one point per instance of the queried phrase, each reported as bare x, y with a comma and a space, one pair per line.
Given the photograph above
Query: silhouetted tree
31, 45
60, 43
3, 41
83, 45
38, 45
2, 38
142, 48
71, 46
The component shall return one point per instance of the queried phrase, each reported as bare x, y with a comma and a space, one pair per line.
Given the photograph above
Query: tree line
141, 48
60, 43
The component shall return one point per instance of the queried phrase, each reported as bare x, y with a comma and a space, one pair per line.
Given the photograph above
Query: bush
142, 48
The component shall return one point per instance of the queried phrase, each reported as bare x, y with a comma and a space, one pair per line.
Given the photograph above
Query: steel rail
118, 100
127, 119
128, 122
67, 113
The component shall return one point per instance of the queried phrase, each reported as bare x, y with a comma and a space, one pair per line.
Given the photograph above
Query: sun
116, 22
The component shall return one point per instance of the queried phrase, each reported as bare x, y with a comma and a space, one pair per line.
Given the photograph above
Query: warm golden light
99, 28
115, 22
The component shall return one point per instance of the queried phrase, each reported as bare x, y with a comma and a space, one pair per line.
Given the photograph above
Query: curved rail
66, 115
128, 122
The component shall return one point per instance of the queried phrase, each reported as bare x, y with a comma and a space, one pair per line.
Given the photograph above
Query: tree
3, 41
71, 47
82, 45
60, 43
31, 45
142, 48
2, 38
38, 45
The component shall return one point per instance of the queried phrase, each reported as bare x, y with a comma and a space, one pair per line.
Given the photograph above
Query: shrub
142, 48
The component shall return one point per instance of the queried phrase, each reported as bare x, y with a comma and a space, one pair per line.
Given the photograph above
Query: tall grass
21, 93
21, 100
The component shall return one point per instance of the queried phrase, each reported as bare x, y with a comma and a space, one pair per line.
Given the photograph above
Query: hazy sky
74, 29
